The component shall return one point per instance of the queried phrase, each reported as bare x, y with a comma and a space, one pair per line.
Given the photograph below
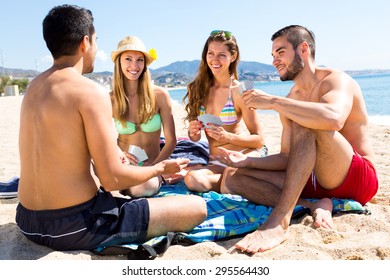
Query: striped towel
230, 215
227, 216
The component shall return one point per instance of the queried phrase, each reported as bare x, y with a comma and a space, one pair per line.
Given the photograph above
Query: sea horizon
375, 89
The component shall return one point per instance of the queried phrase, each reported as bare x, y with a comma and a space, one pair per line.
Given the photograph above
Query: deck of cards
244, 86
210, 119
138, 152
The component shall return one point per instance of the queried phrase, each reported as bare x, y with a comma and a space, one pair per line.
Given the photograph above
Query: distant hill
255, 67
18, 72
191, 67
184, 67
184, 71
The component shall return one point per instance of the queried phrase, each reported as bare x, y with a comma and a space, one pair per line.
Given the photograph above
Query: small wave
174, 102
380, 119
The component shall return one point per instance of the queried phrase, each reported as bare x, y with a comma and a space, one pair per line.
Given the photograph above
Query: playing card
208, 118
245, 85
138, 152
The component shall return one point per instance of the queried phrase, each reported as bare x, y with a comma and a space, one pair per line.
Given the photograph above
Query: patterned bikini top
228, 114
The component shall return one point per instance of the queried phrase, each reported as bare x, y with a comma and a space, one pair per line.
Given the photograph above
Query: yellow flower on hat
153, 54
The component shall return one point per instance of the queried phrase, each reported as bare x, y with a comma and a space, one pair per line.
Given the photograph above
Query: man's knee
298, 129
322, 138
147, 189
199, 207
303, 135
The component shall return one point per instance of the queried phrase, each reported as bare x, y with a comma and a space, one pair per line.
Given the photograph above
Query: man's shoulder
69, 81
331, 73
88, 86
334, 80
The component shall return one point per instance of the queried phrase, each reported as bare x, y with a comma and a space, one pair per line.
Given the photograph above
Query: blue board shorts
103, 220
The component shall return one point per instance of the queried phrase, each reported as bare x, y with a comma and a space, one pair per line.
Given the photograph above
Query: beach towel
227, 216
196, 152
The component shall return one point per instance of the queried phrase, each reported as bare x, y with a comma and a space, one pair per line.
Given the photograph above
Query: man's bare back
65, 126
53, 142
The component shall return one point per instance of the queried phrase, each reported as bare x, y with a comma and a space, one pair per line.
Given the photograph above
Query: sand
355, 236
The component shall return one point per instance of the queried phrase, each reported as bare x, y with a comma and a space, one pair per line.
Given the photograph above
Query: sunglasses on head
226, 34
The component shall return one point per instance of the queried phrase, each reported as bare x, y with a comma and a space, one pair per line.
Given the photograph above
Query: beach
355, 236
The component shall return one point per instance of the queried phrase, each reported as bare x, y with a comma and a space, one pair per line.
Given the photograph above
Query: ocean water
375, 88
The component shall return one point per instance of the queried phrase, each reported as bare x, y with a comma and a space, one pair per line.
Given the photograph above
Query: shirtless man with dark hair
65, 124
325, 149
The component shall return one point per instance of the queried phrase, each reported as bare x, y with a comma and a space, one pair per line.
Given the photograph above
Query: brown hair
147, 98
295, 35
198, 89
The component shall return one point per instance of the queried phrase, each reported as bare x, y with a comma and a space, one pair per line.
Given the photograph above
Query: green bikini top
151, 126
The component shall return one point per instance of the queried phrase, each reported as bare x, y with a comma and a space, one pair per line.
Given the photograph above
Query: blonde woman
141, 110
215, 91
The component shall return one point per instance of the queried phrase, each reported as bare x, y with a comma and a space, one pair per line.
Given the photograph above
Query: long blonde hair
198, 89
147, 98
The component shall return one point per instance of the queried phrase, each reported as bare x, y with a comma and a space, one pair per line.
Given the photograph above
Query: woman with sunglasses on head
215, 91
140, 109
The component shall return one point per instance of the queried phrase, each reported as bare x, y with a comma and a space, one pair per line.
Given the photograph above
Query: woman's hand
218, 133
130, 158
194, 128
124, 158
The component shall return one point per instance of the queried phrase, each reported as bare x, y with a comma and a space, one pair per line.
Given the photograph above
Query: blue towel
227, 216
196, 152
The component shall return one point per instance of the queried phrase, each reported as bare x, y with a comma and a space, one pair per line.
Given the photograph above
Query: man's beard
88, 68
88, 65
294, 69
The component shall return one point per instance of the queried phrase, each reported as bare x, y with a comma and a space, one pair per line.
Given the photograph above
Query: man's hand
171, 166
258, 99
230, 158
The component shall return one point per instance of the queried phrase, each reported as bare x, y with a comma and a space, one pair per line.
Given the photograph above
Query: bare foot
262, 239
322, 213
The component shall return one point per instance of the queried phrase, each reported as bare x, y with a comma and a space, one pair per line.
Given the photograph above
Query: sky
350, 34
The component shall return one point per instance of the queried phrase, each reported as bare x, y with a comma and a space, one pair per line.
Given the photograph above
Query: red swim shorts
360, 185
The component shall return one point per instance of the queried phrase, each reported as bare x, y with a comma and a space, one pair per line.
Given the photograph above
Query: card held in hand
245, 85
208, 118
138, 152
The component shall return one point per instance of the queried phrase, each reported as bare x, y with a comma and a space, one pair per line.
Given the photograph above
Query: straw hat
132, 43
